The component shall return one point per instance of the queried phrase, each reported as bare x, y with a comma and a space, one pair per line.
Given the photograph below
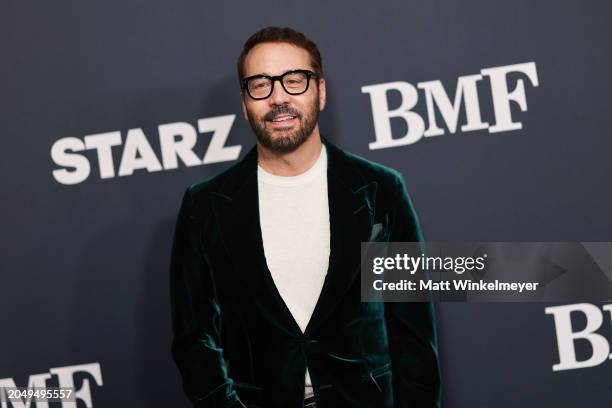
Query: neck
292, 163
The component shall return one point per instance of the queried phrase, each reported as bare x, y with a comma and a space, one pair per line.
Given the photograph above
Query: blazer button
312, 345
303, 339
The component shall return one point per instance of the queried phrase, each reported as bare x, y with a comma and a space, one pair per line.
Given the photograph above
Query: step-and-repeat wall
496, 113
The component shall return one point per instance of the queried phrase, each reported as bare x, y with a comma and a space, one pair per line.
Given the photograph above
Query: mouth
283, 120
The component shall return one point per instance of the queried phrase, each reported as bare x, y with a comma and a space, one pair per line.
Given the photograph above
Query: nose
279, 96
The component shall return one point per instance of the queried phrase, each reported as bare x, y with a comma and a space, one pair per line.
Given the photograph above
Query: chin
282, 134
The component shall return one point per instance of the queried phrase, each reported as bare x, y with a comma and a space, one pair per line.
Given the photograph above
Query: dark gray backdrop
84, 267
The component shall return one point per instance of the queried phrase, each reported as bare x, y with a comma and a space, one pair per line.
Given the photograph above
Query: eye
295, 80
260, 83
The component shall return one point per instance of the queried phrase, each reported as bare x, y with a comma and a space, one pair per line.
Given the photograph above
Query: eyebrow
268, 74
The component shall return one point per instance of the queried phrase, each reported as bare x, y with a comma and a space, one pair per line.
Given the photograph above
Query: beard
285, 140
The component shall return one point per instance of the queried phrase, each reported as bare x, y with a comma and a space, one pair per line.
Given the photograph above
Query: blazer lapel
351, 208
237, 213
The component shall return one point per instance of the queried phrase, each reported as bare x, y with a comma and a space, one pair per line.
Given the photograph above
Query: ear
322, 94
244, 111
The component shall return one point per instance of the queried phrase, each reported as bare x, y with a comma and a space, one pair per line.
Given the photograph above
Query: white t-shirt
294, 217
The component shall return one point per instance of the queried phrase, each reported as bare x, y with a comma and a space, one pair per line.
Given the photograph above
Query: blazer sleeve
411, 325
196, 346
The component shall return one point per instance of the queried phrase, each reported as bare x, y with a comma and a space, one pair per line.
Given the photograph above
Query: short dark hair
282, 35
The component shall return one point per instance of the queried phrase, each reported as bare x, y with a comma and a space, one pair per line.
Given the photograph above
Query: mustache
282, 110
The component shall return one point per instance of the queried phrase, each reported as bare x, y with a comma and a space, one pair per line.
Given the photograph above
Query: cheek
308, 106
314, 101
255, 112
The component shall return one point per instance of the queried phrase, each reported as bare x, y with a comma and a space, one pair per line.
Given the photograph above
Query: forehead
275, 58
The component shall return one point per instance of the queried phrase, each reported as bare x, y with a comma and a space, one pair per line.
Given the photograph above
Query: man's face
287, 135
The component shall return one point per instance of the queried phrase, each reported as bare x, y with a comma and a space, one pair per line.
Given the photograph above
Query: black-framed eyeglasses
294, 82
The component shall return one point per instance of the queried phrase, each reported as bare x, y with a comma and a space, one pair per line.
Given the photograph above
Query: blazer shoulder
204, 187
197, 196
372, 171
227, 181
390, 186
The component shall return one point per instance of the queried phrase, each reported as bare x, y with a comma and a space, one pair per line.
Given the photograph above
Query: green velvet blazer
235, 342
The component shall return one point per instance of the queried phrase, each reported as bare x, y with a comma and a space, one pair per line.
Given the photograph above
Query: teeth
284, 118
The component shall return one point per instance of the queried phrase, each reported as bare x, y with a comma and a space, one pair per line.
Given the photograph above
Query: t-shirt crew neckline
292, 181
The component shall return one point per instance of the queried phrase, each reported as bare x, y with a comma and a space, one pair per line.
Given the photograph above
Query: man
265, 294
